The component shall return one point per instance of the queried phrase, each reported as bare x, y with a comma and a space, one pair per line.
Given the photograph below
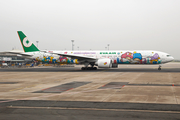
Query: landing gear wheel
89, 68
83, 68
94, 68
159, 68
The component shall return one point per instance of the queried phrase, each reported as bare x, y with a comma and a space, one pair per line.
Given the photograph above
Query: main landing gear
159, 67
89, 68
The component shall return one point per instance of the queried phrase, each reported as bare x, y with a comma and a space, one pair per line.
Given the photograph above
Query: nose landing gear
159, 67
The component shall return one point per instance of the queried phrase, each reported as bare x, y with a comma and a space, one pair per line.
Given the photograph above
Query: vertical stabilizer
27, 45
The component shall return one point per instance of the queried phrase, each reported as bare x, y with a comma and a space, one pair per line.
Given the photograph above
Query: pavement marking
172, 87
22, 87
9, 82
122, 87
63, 87
157, 99
97, 109
103, 82
51, 95
149, 86
113, 85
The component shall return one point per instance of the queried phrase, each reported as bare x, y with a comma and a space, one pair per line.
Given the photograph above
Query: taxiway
127, 92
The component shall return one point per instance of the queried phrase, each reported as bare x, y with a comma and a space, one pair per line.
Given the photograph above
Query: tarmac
127, 92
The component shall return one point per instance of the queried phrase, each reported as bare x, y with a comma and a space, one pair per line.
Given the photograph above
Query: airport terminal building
10, 58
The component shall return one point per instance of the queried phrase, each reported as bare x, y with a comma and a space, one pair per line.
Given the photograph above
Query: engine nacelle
104, 63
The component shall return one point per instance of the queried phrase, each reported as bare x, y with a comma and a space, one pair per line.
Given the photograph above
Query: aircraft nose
171, 59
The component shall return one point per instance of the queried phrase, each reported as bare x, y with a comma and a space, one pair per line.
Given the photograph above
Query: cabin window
168, 55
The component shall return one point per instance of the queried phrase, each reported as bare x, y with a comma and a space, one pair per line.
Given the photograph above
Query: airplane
101, 59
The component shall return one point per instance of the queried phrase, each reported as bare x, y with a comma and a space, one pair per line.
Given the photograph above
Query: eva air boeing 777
102, 59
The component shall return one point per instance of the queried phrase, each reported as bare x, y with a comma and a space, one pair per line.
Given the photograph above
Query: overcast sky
124, 24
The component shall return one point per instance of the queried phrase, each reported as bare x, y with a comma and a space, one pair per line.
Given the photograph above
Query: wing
80, 58
16, 53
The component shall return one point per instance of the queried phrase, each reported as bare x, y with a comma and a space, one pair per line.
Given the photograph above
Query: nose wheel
159, 67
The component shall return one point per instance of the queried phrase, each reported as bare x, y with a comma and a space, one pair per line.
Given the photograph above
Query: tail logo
26, 42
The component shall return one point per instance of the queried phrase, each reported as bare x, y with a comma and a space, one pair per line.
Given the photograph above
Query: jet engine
104, 63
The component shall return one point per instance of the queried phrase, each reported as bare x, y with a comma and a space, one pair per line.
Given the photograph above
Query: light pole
37, 43
72, 44
78, 48
105, 48
108, 46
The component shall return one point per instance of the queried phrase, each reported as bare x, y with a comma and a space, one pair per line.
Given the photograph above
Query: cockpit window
168, 55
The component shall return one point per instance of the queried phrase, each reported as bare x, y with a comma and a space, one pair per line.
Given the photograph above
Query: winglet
27, 45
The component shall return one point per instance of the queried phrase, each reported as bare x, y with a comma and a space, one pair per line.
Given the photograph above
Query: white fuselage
117, 56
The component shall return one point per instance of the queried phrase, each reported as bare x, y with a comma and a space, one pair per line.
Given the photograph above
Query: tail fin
27, 45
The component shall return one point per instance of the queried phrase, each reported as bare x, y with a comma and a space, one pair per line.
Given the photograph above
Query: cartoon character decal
51, 59
137, 58
124, 58
143, 61
62, 59
127, 57
155, 59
